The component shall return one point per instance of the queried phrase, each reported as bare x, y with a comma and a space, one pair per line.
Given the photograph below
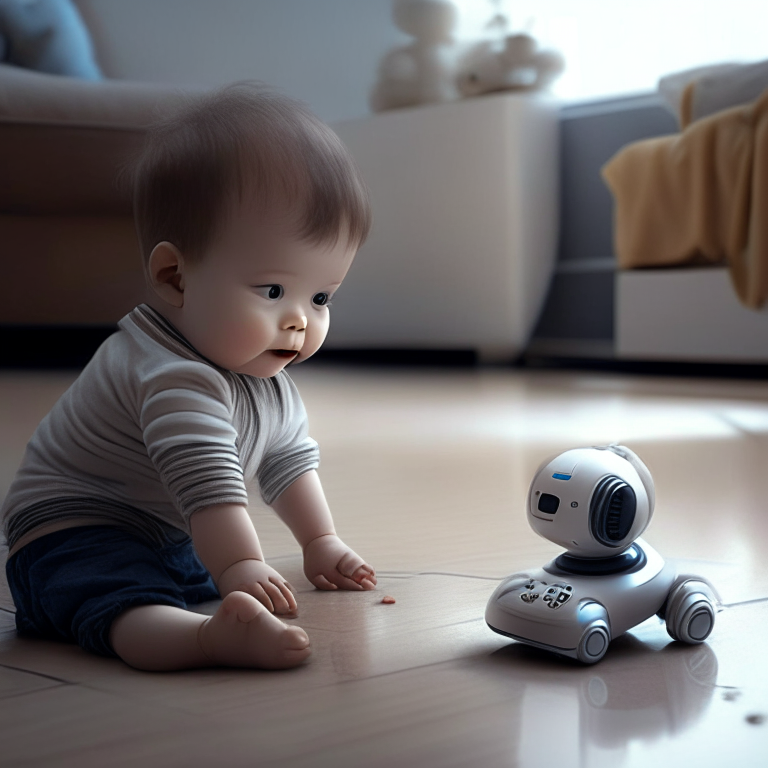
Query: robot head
593, 501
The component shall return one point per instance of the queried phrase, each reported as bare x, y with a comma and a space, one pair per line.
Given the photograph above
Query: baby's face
259, 297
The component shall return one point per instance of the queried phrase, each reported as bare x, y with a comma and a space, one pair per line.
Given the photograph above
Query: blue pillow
46, 35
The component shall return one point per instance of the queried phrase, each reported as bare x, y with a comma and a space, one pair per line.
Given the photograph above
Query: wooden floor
427, 473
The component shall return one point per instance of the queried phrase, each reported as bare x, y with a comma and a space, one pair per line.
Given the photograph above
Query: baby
130, 503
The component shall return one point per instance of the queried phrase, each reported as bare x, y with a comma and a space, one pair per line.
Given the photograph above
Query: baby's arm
226, 541
328, 562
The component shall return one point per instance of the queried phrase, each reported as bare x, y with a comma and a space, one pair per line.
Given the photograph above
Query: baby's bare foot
243, 633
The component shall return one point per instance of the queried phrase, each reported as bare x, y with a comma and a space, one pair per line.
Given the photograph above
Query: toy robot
595, 502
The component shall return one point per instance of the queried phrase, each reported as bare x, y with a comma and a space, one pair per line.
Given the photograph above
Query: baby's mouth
286, 354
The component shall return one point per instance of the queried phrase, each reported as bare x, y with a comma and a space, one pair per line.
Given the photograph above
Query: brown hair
245, 140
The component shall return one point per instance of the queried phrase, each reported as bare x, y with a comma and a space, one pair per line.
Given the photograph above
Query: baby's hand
262, 581
330, 564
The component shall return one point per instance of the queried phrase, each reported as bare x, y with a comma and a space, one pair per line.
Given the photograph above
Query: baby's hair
245, 141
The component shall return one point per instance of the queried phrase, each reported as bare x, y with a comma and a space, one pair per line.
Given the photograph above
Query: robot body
552, 609
607, 581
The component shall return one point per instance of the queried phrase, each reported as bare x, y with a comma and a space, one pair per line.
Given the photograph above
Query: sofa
68, 249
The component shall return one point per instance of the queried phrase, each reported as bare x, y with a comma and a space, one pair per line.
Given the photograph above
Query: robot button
558, 595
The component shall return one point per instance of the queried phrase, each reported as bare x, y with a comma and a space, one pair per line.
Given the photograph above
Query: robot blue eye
548, 503
561, 476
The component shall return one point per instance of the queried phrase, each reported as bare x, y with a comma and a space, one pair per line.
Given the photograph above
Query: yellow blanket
700, 196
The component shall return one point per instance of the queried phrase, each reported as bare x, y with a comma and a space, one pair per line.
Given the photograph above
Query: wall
326, 51
322, 51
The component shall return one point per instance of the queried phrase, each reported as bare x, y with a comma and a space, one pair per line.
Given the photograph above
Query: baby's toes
239, 606
295, 639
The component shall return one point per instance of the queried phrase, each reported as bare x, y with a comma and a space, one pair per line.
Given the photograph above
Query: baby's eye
273, 292
321, 299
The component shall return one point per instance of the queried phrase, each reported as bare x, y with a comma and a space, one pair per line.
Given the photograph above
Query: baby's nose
294, 321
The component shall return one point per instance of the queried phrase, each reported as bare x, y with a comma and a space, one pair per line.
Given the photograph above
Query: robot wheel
690, 612
594, 642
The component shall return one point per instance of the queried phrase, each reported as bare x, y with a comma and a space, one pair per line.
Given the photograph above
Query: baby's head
249, 211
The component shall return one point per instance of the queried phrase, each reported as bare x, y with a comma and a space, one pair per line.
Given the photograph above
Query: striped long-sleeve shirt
151, 432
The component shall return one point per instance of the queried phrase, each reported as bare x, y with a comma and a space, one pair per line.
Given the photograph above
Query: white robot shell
593, 502
596, 502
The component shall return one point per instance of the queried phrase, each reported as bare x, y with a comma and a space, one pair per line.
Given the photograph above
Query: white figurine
595, 502
513, 64
424, 71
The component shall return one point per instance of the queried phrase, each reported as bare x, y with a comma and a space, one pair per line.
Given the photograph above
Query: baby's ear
165, 271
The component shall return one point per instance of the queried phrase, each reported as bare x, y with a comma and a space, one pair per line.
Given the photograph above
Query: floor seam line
407, 575
30, 693
746, 602
36, 674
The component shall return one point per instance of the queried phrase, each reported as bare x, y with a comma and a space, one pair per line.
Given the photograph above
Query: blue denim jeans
72, 584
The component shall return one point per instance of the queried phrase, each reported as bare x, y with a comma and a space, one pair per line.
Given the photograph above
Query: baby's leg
242, 633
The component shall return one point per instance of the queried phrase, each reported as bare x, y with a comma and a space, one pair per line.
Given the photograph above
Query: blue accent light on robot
561, 476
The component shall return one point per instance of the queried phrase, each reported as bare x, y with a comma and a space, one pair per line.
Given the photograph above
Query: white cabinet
465, 205
686, 315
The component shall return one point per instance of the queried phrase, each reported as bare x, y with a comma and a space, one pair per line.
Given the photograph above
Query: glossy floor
427, 472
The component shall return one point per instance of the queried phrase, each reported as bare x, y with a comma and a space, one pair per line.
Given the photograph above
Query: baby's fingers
350, 563
334, 580
354, 567
365, 577
343, 582
275, 598
322, 583
261, 594
282, 597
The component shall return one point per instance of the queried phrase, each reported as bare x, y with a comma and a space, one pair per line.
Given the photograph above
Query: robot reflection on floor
595, 502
